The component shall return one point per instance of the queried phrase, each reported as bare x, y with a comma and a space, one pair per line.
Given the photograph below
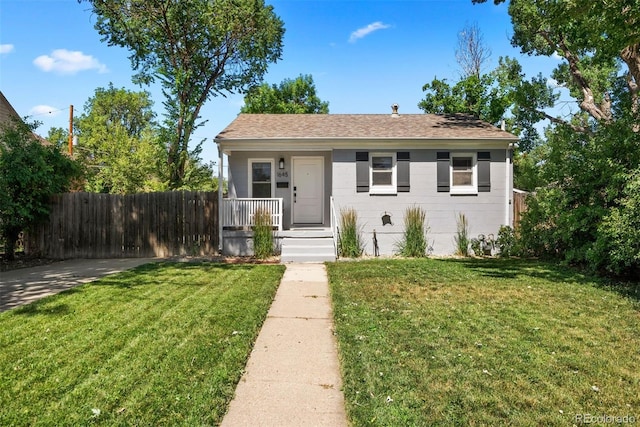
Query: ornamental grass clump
351, 245
414, 241
262, 234
462, 236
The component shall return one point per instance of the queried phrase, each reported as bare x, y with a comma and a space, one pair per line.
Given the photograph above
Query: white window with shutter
463, 176
382, 173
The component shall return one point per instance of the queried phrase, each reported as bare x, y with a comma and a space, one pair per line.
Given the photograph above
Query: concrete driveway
25, 285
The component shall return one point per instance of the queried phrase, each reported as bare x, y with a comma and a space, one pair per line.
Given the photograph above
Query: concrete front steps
307, 246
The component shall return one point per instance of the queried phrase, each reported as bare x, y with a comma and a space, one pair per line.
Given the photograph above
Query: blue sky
364, 55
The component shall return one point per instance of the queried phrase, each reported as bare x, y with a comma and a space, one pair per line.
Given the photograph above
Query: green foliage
582, 211
350, 244
262, 234
118, 143
504, 93
461, 238
476, 247
588, 175
527, 174
507, 241
31, 170
414, 241
196, 49
617, 246
289, 97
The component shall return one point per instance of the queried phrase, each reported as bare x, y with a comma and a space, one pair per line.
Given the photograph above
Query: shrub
262, 234
462, 236
414, 241
617, 248
350, 244
476, 247
507, 241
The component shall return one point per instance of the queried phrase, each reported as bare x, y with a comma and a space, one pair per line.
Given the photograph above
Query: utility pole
71, 130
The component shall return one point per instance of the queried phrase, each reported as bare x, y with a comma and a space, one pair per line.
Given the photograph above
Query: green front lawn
483, 342
164, 344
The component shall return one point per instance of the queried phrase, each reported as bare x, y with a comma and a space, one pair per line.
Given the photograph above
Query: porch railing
240, 213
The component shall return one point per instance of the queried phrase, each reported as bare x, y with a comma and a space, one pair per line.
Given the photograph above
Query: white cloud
64, 61
40, 110
6, 48
365, 31
557, 56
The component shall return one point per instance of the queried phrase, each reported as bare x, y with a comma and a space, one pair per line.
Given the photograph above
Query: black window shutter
403, 160
442, 158
484, 171
362, 172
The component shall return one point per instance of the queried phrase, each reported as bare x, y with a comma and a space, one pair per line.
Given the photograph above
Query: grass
482, 342
164, 344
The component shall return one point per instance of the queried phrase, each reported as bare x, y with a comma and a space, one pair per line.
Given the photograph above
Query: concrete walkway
25, 285
293, 375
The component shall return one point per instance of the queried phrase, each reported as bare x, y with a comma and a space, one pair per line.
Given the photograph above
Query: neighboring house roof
258, 127
7, 112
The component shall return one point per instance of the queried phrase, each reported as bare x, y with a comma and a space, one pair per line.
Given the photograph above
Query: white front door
308, 188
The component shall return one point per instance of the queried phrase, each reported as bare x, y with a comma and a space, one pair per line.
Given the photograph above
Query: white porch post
220, 189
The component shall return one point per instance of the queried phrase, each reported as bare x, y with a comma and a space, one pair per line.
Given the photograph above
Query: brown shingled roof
7, 112
359, 126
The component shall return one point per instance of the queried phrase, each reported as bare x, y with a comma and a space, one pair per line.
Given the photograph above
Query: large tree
586, 211
196, 49
31, 170
599, 42
119, 142
291, 96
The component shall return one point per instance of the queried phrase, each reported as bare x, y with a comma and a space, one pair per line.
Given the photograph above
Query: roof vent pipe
394, 110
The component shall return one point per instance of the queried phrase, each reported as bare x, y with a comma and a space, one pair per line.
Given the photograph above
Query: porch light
281, 163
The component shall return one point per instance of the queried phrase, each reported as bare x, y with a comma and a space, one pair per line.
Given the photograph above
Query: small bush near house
414, 242
507, 241
462, 236
476, 247
262, 234
350, 235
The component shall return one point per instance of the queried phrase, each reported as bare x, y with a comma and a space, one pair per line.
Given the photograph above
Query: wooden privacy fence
90, 225
519, 206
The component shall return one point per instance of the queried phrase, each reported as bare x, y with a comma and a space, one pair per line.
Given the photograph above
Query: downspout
508, 187
220, 190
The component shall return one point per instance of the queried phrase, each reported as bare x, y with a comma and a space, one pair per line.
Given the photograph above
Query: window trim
250, 175
384, 189
464, 189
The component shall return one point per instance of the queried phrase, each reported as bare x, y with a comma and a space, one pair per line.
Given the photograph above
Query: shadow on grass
153, 272
511, 268
42, 308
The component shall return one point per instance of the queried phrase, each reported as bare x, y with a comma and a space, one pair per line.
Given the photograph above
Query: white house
307, 168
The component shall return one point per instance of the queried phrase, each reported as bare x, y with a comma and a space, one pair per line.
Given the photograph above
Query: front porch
295, 243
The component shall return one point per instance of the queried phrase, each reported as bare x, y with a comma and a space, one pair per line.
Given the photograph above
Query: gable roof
359, 126
7, 112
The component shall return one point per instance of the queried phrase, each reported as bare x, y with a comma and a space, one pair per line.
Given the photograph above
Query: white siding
485, 212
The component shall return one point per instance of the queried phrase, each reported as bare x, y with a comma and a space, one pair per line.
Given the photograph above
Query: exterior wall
485, 211
238, 162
